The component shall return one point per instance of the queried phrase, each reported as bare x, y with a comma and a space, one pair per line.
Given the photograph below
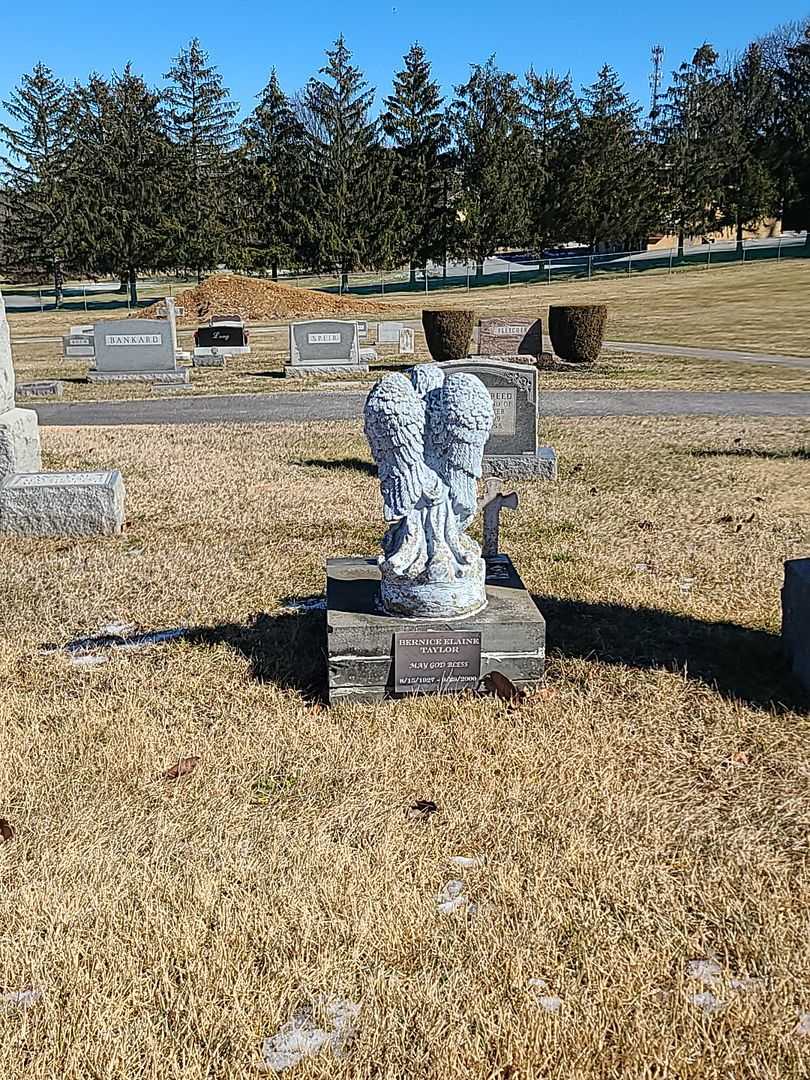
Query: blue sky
246, 38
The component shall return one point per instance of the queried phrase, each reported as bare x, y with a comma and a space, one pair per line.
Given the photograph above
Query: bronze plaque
436, 661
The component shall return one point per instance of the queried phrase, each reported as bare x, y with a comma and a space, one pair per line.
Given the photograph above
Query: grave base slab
139, 376
207, 360
62, 504
796, 618
306, 371
539, 466
19, 442
360, 637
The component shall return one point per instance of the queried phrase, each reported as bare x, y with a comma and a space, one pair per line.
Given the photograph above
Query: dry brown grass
171, 927
263, 370
761, 308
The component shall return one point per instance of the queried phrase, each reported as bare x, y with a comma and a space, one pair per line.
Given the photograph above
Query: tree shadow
287, 649
352, 464
739, 662
801, 453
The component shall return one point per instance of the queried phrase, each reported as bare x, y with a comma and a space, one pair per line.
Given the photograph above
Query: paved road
705, 353
279, 408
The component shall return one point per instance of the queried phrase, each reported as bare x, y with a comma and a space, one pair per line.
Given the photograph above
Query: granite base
181, 376
539, 466
796, 618
360, 637
306, 371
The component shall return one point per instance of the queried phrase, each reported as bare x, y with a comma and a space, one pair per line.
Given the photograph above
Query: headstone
388, 332
62, 504
33, 503
324, 345
516, 336
362, 329
79, 343
406, 341
512, 452
796, 619
140, 350
227, 338
42, 388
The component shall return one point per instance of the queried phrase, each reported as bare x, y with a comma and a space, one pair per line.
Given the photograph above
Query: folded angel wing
395, 428
468, 418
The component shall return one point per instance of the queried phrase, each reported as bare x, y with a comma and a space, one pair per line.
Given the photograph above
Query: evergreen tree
124, 160
36, 218
271, 167
745, 135
692, 177
348, 176
200, 118
794, 92
492, 153
611, 175
551, 118
414, 121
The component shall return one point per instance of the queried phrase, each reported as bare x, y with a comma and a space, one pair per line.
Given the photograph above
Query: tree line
114, 176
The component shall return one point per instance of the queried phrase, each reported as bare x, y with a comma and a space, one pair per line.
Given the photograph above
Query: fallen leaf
645, 526
421, 810
494, 682
6, 831
739, 757
183, 767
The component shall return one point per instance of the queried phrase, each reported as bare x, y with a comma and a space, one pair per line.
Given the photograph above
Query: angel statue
427, 434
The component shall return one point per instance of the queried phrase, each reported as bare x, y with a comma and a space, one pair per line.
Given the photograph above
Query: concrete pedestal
542, 465
306, 371
62, 504
179, 376
796, 618
360, 637
19, 442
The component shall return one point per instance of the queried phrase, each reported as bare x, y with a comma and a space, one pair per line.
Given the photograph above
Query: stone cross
490, 505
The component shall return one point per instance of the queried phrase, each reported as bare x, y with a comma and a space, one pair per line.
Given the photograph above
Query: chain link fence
516, 269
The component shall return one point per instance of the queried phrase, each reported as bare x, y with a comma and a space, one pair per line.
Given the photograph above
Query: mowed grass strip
648, 809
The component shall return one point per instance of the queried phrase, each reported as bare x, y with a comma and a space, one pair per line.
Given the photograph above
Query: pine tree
36, 195
348, 177
271, 166
200, 117
692, 179
123, 160
611, 176
551, 120
492, 153
794, 145
744, 137
415, 123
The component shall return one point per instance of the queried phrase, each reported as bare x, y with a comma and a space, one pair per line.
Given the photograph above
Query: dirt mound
258, 300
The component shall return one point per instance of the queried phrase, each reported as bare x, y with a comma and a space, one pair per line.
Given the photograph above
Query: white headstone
6, 366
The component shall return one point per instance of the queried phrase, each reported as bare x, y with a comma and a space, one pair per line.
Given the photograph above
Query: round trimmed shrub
448, 333
577, 331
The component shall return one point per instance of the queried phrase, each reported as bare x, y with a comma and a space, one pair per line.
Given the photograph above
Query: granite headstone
141, 349
512, 451
516, 336
324, 345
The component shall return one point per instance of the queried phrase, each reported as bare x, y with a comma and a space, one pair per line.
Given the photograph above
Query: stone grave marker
41, 388
140, 350
228, 338
406, 341
516, 336
79, 343
388, 333
512, 451
324, 345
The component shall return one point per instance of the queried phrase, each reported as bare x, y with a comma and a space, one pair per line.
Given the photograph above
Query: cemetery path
317, 406
701, 352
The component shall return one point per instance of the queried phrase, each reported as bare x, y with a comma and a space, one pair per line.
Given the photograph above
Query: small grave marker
436, 662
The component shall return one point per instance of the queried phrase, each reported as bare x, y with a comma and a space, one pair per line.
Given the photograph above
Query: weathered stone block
179, 376
42, 388
304, 371
541, 465
19, 442
796, 618
208, 359
360, 637
62, 504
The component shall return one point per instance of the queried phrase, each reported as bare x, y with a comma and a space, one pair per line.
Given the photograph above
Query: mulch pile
258, 300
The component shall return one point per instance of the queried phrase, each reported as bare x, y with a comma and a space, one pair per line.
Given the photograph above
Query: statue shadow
349, 464
287, 649
800, 453
737, 661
